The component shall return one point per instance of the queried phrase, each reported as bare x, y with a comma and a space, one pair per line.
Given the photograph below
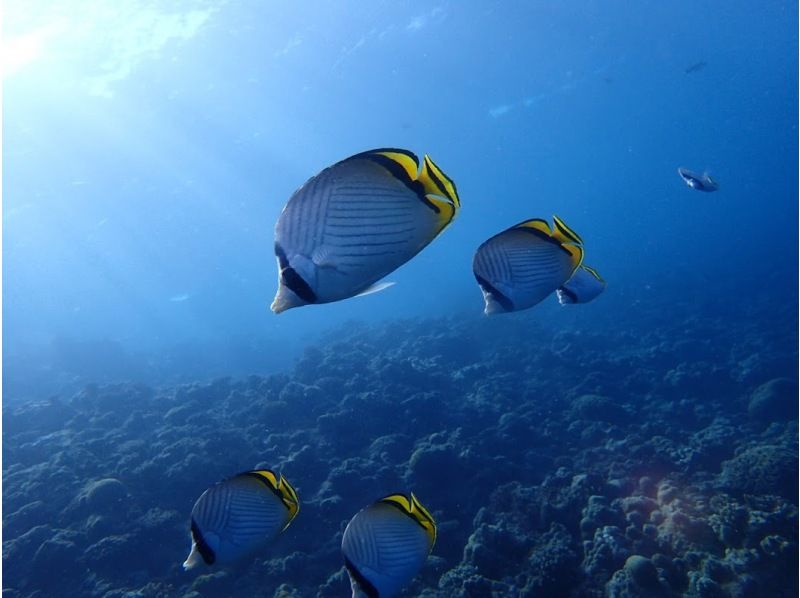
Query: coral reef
558, 462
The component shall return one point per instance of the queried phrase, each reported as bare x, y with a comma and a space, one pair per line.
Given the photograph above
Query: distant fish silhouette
696, 67
700, 182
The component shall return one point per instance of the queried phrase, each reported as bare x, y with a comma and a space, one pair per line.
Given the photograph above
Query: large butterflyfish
357, 221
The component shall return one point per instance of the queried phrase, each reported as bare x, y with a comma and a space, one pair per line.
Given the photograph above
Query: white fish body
519, 267
357, 221
386, 544
235, 517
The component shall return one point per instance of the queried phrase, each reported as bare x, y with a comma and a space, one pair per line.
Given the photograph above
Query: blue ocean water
149, 152
148, 149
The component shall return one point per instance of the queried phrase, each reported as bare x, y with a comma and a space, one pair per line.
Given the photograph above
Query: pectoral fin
375, 288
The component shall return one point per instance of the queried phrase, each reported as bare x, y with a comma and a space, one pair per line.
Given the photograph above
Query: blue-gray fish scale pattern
242, 511
386, 546
357, 218
523, 266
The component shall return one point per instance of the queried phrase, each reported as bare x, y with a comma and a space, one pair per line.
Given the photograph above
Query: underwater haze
643, 444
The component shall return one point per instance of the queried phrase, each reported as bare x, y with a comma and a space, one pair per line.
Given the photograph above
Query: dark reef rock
762, 469
638, 578
775, 400
102, 496
552, 562
642, 571
605, 552
54, 560
611, 459
598, 408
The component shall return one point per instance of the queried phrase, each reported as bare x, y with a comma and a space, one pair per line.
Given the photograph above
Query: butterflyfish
386, 544
239, 515
357, 221
519, 267
584, 285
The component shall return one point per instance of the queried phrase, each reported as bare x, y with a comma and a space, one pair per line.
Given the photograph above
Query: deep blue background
147, 154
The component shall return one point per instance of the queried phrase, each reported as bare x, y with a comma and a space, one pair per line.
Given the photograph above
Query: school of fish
383, 546
359, 220
337, 237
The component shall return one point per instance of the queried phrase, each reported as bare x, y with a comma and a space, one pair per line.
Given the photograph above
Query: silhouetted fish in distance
696, 67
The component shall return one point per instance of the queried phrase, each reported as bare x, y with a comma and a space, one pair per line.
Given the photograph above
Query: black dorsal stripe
384, 150
504, 301
391, 503
366, 585
275, 491
202, 546
537, 233
400, 173
292, 279
541, 235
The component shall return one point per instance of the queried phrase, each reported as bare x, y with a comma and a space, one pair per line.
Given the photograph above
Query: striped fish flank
357, 221
235, 517
386, 544
519, 267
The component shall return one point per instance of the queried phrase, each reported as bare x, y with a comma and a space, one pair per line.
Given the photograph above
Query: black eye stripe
297, 285
292, 279
504, 301
366, 586
202, 546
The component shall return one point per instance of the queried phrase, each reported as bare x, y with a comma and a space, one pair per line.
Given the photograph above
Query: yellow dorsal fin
290, 499
424, 517
447, 211
564, 233
406, 159
536, 224
401, 500
436, 182
267, 475
414, 509
430, 183
281, 487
